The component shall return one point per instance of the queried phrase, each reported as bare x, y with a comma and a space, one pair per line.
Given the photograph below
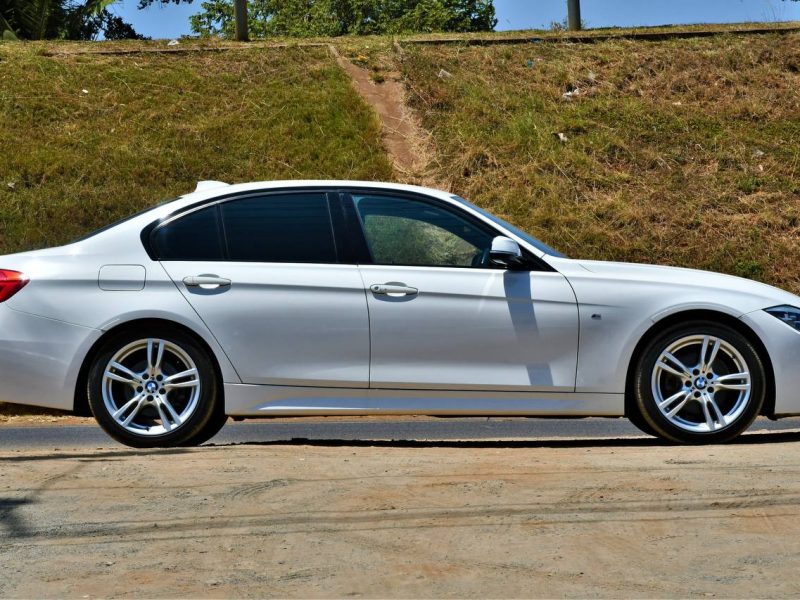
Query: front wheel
155, 388
699, 383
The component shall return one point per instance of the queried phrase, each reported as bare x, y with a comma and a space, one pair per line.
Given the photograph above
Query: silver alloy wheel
151, 387
701, 383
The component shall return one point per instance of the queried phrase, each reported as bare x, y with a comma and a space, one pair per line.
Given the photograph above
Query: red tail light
10, 283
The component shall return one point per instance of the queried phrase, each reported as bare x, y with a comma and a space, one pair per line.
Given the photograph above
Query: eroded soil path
534, 519
407, 143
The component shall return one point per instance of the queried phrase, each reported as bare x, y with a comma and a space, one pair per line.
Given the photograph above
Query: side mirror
505, 252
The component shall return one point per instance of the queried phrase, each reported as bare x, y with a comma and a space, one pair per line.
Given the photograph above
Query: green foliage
751, 269
61, 19
6, 30
28, 18
563, 25
309, 18
749, 184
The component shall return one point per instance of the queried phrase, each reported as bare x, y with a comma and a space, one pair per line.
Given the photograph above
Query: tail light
10, 283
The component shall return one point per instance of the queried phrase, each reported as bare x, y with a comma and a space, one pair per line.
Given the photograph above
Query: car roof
208, 190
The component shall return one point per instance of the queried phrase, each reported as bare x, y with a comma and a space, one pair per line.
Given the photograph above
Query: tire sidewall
646, 402
208, 405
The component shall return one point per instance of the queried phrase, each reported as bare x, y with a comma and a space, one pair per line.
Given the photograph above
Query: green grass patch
679, 152
85, 140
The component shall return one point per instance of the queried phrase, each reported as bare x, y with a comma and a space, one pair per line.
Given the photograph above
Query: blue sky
173, 21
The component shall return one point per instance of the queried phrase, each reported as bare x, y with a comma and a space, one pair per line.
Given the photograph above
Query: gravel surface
566, 517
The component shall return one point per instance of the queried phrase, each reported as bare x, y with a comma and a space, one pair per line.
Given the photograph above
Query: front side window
405, 231
279, 228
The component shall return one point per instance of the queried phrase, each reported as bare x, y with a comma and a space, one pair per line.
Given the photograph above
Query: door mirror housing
505, 252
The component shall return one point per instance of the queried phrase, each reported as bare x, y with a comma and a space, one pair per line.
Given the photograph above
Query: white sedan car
355, 298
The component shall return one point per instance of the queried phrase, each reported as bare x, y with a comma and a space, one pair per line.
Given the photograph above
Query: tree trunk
574, 14
240, 15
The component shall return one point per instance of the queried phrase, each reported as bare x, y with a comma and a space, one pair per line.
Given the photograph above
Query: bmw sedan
355, 298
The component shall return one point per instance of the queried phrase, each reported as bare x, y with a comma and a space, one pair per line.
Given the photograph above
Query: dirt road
506, 519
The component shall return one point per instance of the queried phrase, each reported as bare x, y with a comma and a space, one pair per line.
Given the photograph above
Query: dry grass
85, 140
679, 152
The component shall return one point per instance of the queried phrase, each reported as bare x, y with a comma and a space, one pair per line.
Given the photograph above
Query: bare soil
607, 518
405, 141
18, 415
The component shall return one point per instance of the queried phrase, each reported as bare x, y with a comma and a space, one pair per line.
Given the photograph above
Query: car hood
680, 286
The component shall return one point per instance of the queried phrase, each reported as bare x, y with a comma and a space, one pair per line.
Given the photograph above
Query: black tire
203, 410
635, 417
736, 353
216, 423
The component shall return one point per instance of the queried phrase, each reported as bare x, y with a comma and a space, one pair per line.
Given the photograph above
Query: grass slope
85, 140
679, 152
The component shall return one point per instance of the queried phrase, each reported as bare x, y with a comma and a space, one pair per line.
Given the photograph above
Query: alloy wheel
701, 383
151, 387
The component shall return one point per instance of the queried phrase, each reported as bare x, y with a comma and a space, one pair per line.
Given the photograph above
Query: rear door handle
206, 281
393, 289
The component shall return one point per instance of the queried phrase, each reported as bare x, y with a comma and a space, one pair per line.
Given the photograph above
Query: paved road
82, 436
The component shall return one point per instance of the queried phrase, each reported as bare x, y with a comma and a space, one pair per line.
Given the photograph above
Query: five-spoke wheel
151, 387
155, 388
699, 383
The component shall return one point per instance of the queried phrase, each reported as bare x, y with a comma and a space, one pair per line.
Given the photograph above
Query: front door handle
393, 289
206, 281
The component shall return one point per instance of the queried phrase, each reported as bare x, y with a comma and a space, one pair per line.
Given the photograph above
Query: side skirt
271, 401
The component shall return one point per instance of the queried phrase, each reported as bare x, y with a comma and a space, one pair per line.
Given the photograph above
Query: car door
263, 272
443, 317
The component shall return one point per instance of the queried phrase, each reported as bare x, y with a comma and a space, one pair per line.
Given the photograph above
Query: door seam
365, 287
199, 316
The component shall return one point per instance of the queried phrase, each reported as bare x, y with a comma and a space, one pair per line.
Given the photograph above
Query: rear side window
196, 236
279, 228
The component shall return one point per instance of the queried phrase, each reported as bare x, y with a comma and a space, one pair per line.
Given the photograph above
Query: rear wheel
640, 423
699, 383
155, 388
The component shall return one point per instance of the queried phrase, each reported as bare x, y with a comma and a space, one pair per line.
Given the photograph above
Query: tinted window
279, 228
403, 231
193, 237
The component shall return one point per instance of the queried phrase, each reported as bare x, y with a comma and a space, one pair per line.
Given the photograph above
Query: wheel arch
768, 409
81, 399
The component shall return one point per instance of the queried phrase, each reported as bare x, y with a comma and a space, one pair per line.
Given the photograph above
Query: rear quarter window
196, 236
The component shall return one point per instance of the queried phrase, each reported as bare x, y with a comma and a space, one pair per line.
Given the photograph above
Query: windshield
516, 231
